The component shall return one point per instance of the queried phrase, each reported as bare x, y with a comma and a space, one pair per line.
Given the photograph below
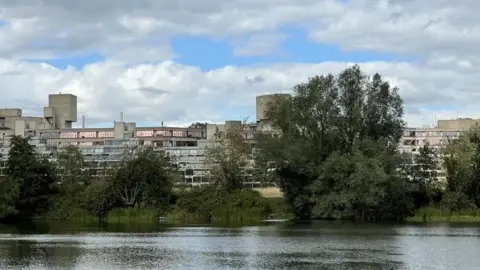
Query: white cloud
443, 35
181, 94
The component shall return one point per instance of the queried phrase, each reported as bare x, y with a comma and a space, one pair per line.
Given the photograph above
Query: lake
313, 245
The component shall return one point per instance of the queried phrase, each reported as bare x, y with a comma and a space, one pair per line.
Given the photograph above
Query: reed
432, 215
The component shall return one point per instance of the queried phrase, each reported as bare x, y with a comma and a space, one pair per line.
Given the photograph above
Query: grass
118, 215
219, 215
194, 207
138, 215
279, 208
432, 215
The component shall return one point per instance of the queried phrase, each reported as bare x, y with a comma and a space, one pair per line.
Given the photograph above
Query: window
105, 134
68, 135
195, 134
161, 132
178, 133
86, 144
144, 133
87, 134
49, 135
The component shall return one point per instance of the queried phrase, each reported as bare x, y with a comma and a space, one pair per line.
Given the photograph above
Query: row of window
75, 135
169, 133
431, 133
110, 134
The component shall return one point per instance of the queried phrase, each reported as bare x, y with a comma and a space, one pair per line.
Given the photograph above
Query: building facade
102, 147
437, 137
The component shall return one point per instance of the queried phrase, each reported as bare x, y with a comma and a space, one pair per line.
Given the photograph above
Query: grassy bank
238, 208
206, 205
118, 215
432, 215
279, 208
190, 207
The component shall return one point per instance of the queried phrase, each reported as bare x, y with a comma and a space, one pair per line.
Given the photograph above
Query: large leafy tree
144, 176
335, 137
30, 182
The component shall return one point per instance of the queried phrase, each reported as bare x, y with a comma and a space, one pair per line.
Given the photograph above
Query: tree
263, 170
72, 169
99, 197
456, 157
143, 176
461, 159
29, 184
198, 125
73, 178
228, 158
424, 175
335, 136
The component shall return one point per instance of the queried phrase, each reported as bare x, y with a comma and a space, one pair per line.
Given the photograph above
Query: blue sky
208, 54
408, 45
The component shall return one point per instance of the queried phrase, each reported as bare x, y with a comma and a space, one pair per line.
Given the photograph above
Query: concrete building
262, 104
101, 146
459, 124
437, 137
414, 138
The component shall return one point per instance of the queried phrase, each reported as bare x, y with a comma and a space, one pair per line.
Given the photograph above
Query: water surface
317, 245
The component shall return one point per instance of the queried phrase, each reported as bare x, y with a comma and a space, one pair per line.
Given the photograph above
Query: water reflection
316, 245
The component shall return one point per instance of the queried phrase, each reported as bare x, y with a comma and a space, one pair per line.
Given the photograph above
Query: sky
183, 61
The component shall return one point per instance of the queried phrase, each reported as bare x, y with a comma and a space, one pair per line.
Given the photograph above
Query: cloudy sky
180, 61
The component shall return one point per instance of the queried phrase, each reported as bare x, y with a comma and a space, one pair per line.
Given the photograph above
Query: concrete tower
263, 102
61, 111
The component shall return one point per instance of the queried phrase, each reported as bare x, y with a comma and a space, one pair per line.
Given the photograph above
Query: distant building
102, 147
438, 137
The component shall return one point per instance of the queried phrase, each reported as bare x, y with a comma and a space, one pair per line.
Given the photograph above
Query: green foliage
99, 198
262, 170
280, 209
228, 158
74, 176
143, 176
424, 176
198, 205
72, 170
334, 148
29, 186
357, 186
8, 195
461, 159
432, 214
133, 214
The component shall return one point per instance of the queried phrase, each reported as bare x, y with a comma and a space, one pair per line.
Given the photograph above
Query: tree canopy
461, 159
143, 176
228, 158
29, 186
336, 136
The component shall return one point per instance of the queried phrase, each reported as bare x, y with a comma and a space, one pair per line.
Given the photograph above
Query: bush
455, 201
99, 198
208, 205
